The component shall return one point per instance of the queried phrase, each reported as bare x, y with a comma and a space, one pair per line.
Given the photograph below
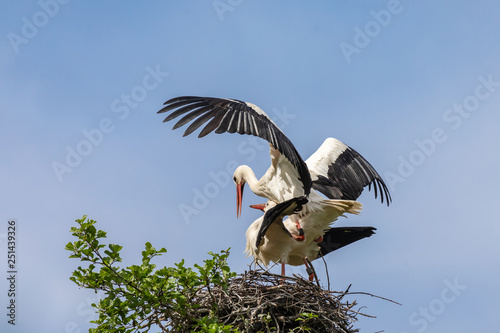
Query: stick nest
264, 302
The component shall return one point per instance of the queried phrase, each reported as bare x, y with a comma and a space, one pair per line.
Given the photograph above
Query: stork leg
282, 278
310, 270
301, 236
319, 239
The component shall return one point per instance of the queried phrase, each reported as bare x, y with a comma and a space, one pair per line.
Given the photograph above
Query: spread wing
340, 172
234, 116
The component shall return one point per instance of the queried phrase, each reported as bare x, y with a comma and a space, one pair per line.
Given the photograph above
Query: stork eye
234, 178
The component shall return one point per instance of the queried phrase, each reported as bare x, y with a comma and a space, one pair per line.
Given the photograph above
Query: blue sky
414, 86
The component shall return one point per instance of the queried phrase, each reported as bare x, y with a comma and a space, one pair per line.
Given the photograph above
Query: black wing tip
182, 98
388, 198
189, 99
382, 189
202, 134
163, 110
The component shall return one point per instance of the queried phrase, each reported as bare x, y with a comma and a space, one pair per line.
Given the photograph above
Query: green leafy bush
141, 297
205, 298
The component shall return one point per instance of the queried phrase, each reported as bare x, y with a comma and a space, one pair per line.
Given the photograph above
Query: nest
264, 302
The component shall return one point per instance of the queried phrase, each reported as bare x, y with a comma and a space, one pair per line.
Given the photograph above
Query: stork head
239, 178
261, 207
264, 207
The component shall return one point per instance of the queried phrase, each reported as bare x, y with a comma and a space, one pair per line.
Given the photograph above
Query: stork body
334, 170
270, 238
337, 171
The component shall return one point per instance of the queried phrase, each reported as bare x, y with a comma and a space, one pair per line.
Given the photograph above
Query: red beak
239, 198
258, 206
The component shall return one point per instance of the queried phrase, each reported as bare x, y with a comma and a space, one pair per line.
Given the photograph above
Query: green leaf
132, 295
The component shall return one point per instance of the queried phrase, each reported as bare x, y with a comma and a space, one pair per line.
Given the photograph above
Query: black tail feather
335, 238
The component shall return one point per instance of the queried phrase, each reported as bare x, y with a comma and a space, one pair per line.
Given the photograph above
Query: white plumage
334, 170
278, 245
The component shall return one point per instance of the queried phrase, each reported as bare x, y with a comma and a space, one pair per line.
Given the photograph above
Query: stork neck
247, 175
250, 178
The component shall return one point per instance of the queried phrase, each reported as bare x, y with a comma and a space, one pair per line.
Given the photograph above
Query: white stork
270, 238
335, 170
288, 176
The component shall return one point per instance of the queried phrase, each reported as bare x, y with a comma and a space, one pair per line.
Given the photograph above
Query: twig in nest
368, 294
